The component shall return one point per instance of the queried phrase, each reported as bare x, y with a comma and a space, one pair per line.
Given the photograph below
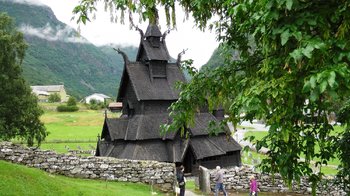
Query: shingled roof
158, 88
139, 136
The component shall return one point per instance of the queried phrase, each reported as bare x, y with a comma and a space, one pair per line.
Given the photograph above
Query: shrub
66, 108
54, 97
71, 101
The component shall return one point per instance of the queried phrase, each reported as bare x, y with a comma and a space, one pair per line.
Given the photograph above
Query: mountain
217, 59
56, 53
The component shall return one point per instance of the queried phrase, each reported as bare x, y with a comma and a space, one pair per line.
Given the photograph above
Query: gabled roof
48, 88
154, 53
145, 89
139, 127
153, 46
204, 146
153, 31
99, 95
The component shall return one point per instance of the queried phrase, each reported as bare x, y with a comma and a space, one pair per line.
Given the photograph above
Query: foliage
82, 67
71, 106
71, 101
31, 181
19, 111
67, 108
96, 105
293, 66
54, 97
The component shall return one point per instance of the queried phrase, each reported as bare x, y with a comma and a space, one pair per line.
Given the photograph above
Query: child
253, 186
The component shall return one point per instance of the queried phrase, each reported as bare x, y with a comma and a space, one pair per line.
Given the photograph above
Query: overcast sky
101, 31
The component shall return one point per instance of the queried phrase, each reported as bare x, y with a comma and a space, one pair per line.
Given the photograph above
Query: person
219, 180
253, 186
181, 180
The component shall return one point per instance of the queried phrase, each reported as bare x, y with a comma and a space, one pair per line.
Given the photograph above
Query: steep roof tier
155, 89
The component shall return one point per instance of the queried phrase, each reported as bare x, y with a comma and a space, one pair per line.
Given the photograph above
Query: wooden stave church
147, 90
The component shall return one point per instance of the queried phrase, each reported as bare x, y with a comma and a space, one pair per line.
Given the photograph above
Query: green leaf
314, 95
313, 82
284, 37
296, 54
298, 35
306, 87
308, 51
289, 4
323, 86
331, 79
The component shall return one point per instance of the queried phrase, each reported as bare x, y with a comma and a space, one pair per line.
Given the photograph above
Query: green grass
63, 147
81, 125
30, 181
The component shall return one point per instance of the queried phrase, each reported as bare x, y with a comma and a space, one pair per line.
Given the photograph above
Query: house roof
37, 92
99, 95
156, 89
115, 105
48, 88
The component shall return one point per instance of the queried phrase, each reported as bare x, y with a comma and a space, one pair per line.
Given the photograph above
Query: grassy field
30, 181
71, 130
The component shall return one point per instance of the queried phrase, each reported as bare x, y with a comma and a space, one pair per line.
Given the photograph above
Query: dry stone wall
238, 179
159, 174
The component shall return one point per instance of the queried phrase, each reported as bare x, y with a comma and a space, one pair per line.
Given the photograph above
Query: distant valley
56, 54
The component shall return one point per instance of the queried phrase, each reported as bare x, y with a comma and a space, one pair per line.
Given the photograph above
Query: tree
19, 111
71, 101
54, 97
293, 67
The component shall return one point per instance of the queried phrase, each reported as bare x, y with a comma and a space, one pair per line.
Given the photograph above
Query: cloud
29, 2
66, 34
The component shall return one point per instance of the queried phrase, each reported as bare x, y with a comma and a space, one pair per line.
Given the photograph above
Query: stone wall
162, 175
238, 179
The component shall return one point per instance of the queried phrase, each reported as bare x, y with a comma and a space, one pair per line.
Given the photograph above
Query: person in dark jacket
181, 180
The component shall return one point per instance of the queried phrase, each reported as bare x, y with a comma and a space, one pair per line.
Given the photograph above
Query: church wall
130, 98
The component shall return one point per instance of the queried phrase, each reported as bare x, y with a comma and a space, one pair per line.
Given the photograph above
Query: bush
55, 97
66, 108
71, 101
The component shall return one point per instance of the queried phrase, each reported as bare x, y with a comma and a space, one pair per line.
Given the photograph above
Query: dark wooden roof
204, 146
153, 31
139, 136
145, 89
154, 53
137, 150
140, 127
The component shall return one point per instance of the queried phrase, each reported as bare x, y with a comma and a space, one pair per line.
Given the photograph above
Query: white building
98, 97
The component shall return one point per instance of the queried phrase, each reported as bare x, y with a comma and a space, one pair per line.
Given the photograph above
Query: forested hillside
56, 54
218, 57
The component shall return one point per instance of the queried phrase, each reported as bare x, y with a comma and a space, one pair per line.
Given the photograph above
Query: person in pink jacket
253, 186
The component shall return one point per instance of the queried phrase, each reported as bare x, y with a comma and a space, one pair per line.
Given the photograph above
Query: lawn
30, 181
74, 126
71, 130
